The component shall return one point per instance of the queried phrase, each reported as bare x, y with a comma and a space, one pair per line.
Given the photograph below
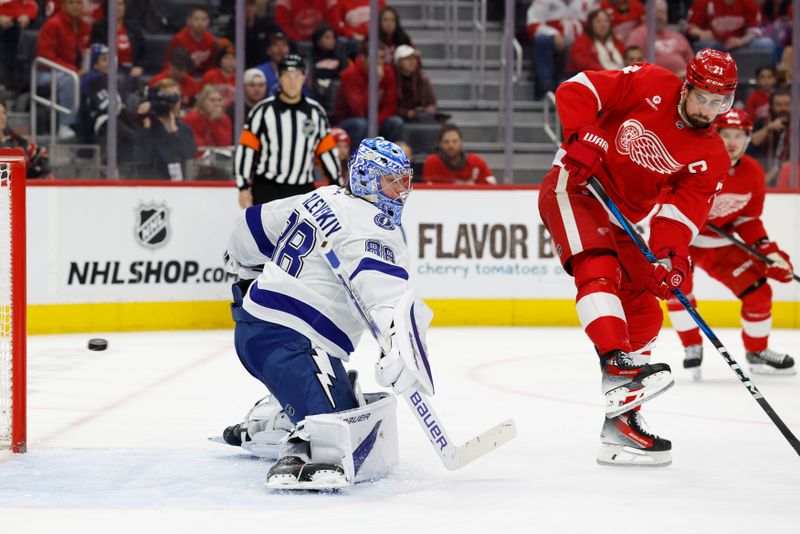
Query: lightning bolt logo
324, 373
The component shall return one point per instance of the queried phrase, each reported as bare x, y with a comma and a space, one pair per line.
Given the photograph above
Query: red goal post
12, 301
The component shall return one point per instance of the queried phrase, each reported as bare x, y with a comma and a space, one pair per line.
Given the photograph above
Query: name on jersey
323, 214
433, 427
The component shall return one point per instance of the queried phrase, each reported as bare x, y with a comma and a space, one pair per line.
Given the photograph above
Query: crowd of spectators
198, 64
568, 36
559, 30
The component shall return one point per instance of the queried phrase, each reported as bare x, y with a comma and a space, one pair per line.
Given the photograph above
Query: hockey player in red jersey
737, 208
643, 132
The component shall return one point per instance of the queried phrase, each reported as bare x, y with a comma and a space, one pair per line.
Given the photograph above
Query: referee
281, 139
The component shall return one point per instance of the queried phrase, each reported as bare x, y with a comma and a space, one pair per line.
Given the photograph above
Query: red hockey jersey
651, 150
738, 207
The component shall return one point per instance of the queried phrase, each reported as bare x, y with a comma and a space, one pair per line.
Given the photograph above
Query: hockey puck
97, 343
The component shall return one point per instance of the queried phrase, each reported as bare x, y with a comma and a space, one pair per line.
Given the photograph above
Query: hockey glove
669, 273
391, 370
781, 268
585, 153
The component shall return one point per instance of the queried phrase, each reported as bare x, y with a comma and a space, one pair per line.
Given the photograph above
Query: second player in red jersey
737, 209
646, 135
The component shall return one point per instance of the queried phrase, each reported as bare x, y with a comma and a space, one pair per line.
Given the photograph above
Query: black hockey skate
625, 441
692, 359
234, 435
627, 385
292, 473
769, 362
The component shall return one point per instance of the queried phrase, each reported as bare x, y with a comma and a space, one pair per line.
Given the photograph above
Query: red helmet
340, 135
735, 118
712, 71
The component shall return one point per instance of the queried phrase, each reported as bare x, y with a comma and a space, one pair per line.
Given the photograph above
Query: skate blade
218, 439
696, 373
620, 400
615, 455
323, 481
764, 369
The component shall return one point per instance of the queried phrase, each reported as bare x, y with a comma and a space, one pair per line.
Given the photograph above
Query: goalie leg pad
339, 449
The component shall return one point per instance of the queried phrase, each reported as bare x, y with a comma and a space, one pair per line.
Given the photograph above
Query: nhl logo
308, 128
152, 228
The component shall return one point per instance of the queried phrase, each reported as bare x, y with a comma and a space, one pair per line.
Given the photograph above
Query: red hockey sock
597, 276
683, 323
757, 318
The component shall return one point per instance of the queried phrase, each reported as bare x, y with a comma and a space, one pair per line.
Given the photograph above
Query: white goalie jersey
297, 288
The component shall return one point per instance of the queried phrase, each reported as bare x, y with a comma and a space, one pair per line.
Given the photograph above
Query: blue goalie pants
304, 378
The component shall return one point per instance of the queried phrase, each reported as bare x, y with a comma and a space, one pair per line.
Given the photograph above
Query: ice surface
118, 443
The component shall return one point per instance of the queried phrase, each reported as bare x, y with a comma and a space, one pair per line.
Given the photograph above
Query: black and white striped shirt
281, 141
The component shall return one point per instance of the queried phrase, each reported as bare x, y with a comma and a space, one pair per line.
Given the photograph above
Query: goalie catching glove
405, 367
669, 273
781, 268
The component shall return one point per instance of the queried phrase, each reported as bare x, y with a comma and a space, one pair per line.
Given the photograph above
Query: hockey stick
750, 250
452, 456
600, 193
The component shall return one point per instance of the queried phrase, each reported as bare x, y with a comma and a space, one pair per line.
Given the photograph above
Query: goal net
12, 300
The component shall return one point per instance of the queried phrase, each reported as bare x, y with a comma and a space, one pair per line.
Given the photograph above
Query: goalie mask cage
12, 300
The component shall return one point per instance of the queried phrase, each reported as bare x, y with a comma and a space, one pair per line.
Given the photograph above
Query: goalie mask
381, 174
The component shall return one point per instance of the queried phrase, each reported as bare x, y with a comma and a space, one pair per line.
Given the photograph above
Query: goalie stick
452, 456
750, 250
599, 192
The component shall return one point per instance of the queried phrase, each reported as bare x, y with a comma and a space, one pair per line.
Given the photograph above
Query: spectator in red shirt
178, 65
726, 25
15, 16
299, 18
758, 101
92, 10
63, 39
354, 21
673, 51
202, 46
131, 53
625, 16
352, 99
596, 48
450, 164
223, 76
211, 126
391, 32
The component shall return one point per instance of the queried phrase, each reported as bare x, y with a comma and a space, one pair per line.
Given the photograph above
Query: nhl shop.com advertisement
128, 244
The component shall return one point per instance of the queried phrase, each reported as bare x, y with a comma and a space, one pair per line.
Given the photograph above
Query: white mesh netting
5, 305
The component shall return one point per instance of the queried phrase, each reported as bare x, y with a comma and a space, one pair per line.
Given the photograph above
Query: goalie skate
628, 385
626, 442
769, 362
292, 473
